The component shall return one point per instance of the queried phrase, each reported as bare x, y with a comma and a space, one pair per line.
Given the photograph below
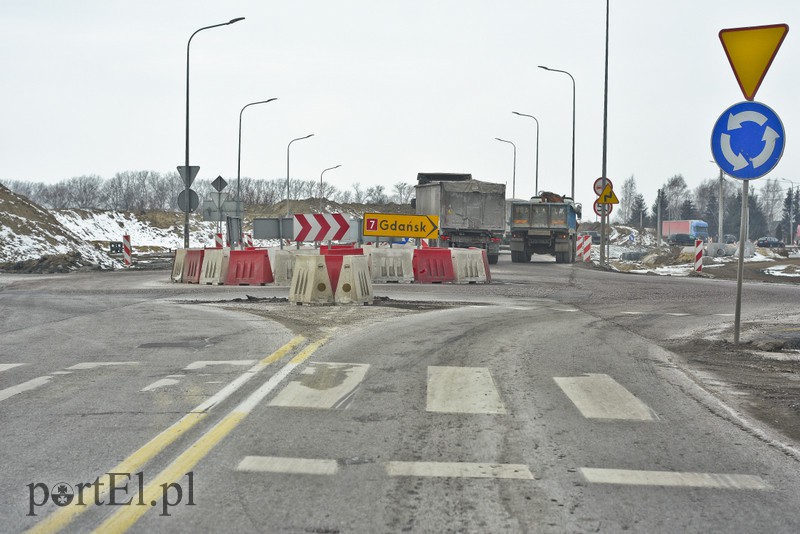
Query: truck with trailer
695, 229
546, 224
471, 212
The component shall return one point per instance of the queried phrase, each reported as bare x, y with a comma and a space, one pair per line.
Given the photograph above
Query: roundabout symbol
747, 140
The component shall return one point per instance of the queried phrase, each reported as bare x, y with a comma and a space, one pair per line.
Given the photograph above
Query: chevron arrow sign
320, 227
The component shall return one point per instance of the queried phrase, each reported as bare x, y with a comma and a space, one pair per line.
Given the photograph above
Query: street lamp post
320, 184
239, 160
536, 185
288, 211
573, 122
188, 44
514, 172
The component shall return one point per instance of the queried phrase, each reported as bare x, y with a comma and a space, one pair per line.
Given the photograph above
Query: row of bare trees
138, 191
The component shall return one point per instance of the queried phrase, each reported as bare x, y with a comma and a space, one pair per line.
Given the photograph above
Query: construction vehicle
547, 224
471, 212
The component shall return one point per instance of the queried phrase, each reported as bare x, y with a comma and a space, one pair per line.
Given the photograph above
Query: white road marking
571, 310
295, 466
725, 314
205, 363
669, 478
94, 365
462, 390
322, 385
677, 314
458, 470
632, 313
25, 386
7, 366
171, 380
599, 396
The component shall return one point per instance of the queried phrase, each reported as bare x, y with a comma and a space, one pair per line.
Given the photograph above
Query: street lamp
288, 212
320, 184
187, 180
514, 173
721, 203
536, 187
239, 159
573, 122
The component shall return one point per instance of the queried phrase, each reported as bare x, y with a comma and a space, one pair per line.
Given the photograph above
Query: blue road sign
747, 140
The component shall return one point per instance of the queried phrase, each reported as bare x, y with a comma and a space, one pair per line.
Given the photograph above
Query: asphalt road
548, 401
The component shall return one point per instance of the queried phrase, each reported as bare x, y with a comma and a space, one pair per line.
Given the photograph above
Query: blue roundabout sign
747, 140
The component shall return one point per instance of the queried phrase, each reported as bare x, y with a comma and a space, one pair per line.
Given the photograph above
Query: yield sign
188, 173
750, 52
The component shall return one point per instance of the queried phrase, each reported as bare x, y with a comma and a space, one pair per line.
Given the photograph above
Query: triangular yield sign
750, 52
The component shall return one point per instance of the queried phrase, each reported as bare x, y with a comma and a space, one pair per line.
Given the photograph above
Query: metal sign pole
742, 239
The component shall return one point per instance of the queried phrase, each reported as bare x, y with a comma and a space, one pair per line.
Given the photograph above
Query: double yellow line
125, 517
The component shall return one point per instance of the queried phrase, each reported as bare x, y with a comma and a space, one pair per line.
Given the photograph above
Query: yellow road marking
133, 463
126, 517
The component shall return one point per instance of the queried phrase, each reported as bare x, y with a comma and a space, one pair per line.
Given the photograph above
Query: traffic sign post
747, 140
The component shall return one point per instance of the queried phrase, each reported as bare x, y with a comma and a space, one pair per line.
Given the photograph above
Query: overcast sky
389, 88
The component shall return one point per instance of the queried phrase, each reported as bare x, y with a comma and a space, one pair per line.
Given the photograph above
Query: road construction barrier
126, 250
698, 255
311, 283
193, 266
579, 247
215, 266
587, 249
249, 268
354, 285
433, 265
391, 265
283, 264
177, 265
470, 266
218, 241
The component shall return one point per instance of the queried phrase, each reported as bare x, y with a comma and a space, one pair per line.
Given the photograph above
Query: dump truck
546, 224
471, 212
694, 228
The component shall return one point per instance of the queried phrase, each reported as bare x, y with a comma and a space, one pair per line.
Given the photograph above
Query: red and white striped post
698, 256
218, 242
126, 250
587, 249
248, 240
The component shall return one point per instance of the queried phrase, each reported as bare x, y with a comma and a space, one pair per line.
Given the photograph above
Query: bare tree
375, 195
771, 200
358, 193
626, 200
676, 192
402, 192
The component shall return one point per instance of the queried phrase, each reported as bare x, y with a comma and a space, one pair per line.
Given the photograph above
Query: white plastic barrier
177, 265
391, 265
283, 264
470, 266
215, 266
355, 283
310, 281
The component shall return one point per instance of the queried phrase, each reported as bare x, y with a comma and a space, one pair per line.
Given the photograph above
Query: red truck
693, 228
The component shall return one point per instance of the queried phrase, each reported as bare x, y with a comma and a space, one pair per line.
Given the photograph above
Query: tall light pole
320, 184
239, 159
186, 218
536, 186
573, 122
514, 172
288, 212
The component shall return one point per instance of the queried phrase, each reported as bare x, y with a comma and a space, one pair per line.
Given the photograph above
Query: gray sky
389, 88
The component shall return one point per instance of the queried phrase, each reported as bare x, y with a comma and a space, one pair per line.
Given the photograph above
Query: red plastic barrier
433, 265
193, 266
249, 268
324, 250
334, 264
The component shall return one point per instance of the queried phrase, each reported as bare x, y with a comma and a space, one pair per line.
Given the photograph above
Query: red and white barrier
218, 241
587, 249
579, 242
248, 240
698, 256
126, 250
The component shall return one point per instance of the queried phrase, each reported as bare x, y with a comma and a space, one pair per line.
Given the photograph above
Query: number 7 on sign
372, 224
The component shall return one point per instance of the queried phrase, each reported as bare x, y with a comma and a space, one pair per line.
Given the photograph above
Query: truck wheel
493, 259
517, 256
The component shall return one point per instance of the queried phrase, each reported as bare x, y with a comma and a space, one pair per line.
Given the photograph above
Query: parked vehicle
770, 242
681, 240
729, 239
695, 228
546, 224
471, 212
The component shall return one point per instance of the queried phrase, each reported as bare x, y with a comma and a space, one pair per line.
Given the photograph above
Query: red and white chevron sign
320, 227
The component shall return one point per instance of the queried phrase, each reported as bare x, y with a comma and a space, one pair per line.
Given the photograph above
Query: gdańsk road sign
386, 225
